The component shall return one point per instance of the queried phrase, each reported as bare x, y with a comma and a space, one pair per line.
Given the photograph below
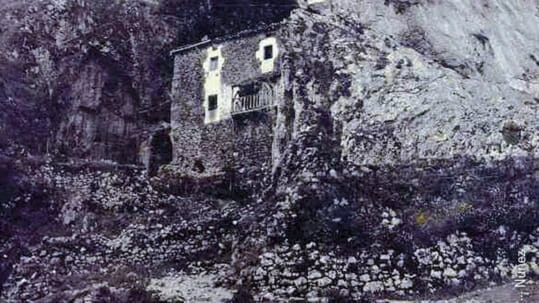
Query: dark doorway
161, 151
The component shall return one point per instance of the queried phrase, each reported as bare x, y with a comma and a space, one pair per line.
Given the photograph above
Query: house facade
228, 94
235, 74
232, 103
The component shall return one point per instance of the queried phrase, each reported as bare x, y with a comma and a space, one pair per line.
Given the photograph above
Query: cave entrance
161, 151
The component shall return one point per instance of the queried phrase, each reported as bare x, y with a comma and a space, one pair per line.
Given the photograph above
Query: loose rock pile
311, 272
111, 233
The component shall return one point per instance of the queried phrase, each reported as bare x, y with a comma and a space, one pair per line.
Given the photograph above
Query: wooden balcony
243, 103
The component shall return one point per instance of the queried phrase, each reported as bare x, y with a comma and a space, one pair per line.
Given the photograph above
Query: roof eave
189, 47
271, 28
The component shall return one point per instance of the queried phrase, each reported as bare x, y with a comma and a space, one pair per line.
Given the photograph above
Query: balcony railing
253, 102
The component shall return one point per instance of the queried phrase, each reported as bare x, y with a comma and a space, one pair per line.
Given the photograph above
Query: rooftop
270, 28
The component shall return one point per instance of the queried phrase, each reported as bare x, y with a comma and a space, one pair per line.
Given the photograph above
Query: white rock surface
199, 288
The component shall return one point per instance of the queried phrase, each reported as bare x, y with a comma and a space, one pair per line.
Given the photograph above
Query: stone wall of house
186, 113
243, 143
197, 149
254, 133
241, 63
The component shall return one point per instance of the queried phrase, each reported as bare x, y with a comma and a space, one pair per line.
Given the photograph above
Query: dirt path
500, 294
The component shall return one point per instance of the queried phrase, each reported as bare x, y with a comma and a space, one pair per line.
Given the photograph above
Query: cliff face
95, 67
433, 80
411, 123
472, 92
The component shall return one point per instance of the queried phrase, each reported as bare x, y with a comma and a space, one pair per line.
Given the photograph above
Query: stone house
231, 104
226, 93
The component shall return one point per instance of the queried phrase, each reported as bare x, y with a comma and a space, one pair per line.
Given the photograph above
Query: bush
242, 296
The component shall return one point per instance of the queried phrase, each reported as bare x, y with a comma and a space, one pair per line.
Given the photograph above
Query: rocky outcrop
105, 232
446, 209
422, 83
103, 122
389, 126
96, 71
